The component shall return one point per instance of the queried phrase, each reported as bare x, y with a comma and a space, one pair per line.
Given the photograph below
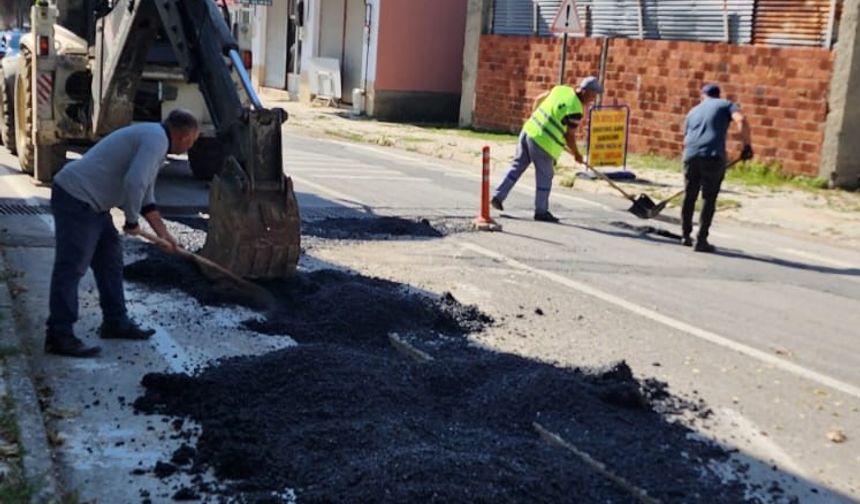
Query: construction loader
87, 68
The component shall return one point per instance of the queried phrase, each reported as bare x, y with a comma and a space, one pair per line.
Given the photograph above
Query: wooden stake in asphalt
484, 222
257, 295
637, 493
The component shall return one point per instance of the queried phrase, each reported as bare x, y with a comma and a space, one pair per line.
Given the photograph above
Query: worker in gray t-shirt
705, 133
119, 171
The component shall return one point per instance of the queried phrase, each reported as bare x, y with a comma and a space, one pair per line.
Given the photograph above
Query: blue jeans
85, 239
528, 152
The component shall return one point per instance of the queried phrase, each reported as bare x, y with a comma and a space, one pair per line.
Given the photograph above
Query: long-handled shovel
655, 210
643, 206
255, 294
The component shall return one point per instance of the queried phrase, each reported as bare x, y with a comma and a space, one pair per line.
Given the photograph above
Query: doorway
277, 52
342, 37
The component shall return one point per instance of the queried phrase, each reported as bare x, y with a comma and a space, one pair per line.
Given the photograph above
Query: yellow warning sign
607, 136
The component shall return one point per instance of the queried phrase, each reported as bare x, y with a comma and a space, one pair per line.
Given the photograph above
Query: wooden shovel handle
682, 191
609, 180
161, 242
670, 198
190, 255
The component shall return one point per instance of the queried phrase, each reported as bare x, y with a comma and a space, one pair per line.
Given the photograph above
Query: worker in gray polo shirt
705, 133
119, 171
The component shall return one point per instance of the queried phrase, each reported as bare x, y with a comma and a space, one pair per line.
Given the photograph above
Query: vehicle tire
206, 157
7, 115
24, 115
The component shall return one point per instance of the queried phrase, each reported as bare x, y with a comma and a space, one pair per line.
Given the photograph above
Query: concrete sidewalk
25, 455
829, 215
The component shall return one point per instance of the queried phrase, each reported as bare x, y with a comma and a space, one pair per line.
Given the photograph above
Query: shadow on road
740, 254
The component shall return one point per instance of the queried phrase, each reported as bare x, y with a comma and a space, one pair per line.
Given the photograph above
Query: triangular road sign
567, 20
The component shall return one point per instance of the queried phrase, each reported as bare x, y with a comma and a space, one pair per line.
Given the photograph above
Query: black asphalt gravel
344, 417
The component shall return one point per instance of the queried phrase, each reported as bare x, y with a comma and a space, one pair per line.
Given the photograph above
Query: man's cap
711, 90
591, 83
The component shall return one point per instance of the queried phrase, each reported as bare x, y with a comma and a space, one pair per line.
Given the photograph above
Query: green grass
414, 139
14, 489
8, 351
761, 174
346, 135
654, 162
752, 173
490, 136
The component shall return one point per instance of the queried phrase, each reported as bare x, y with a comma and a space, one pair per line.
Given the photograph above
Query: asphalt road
766, 331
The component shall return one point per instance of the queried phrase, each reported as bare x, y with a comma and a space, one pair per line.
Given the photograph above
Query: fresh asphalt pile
343, 417
370, 228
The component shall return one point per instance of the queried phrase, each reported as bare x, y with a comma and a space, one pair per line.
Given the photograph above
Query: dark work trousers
705, 174
529, 152
84, 238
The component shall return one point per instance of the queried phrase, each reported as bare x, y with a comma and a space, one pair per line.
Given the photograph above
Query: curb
36, 456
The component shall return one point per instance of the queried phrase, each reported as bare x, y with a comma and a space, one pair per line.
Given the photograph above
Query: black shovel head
644, 207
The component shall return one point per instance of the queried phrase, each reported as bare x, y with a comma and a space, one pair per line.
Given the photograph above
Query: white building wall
267, 47
258, 45
276, 45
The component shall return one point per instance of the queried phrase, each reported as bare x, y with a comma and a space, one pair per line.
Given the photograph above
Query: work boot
704, 246
546, 217
497, 203
124, 329
687, 241
69, 346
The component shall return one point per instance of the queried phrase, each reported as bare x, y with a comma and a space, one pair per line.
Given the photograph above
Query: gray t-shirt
706, 128
119, 171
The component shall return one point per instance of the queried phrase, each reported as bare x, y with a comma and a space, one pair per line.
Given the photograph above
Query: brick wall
782, 91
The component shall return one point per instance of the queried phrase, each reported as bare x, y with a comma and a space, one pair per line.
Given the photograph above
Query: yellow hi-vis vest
545, 125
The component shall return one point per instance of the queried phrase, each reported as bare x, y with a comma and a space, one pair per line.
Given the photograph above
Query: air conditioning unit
324, 78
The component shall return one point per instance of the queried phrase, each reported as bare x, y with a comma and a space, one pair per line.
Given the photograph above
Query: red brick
660, 81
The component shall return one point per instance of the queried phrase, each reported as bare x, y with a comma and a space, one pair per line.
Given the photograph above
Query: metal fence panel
524, 17
769, 22
791, 22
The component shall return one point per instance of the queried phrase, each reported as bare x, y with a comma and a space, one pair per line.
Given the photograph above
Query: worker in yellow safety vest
546, 134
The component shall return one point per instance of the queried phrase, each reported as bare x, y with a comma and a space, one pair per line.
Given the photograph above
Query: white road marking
576, 199
381, 152
820, 258
373, 177
697, 332
764, 446
176, 356
302, 181
520, 187
162, 341
799, 253
345, 171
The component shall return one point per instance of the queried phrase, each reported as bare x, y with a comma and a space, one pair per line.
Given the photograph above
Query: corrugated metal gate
765, 22
792, 22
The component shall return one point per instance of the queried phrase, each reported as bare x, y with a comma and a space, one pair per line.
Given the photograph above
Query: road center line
697, 332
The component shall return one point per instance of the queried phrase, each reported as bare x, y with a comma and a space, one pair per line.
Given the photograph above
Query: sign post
566, 22
607, 135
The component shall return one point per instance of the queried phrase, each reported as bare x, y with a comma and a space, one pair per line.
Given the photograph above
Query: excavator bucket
254, 223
